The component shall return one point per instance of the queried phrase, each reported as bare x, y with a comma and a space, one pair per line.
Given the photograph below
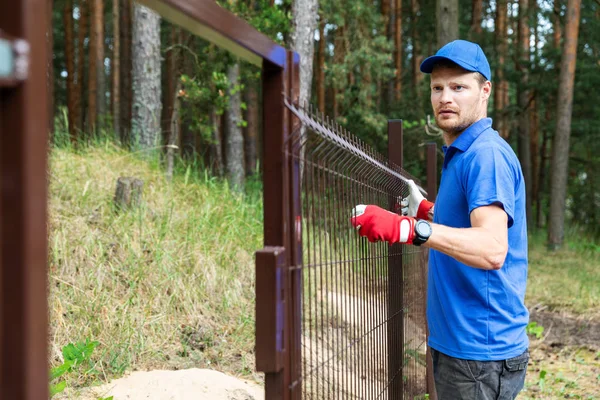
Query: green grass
168, 285
567, 279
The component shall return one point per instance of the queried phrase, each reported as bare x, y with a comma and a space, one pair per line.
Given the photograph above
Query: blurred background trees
120, 71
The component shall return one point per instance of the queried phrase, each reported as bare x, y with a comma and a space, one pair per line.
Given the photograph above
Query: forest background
118, 70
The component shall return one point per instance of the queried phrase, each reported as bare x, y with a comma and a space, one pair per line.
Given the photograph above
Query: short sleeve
490, 179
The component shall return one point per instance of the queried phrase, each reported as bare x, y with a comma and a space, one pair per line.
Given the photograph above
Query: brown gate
338, 317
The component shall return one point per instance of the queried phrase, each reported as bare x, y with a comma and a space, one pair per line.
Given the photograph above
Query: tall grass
567, 279
167, 285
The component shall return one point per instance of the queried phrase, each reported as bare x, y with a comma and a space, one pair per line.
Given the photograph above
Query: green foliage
542, 379
198, 93
534, 329
75, 355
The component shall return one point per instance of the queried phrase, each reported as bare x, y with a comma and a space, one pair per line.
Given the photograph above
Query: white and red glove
415, 205
377, 224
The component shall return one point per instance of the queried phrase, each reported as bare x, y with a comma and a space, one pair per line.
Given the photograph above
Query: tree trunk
524, 98
252, 126
174, 127
540, 220
398, 50
388, 86
556, 26
146, 110
216, 121
101, 70
125, 108
417, 56
320, 75
70, 60
339, 54
385, 11
501, 92
447, 21
476, 15
234, 139
92, 108
535, 152
116, 71
128, 193
188, 136
80, 85
560, 146
304, 23
534, 121
171, 77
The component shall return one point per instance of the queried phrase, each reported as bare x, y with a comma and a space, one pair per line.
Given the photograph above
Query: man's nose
445, 96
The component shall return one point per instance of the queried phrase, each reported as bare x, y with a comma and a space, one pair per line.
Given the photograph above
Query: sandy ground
189, 384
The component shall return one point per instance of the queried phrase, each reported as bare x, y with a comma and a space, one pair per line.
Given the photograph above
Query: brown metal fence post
431, 171
395, 325
295, 237
276, 215
432, 194
282, 224
23, 195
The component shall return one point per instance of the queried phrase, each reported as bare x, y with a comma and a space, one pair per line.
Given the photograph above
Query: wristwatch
422, 232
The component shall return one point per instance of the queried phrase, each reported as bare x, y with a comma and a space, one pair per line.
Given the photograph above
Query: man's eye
437, 88
458, 88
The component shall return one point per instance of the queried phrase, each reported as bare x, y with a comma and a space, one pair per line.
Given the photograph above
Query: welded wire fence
363, 330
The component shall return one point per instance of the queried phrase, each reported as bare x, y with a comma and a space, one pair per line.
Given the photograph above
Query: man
478, 239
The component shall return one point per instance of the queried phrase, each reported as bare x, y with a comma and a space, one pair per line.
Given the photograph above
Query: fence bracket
14, 60
270, 308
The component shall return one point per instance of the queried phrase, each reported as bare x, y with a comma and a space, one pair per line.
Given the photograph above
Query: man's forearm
476, 247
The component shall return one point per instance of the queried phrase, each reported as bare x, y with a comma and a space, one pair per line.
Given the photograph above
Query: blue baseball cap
466, 54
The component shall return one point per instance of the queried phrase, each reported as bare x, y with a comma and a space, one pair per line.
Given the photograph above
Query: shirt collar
465, 139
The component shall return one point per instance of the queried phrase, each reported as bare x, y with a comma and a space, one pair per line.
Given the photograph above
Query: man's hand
376, 224
415, 205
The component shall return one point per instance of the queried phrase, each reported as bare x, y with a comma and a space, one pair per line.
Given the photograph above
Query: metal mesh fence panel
363, 304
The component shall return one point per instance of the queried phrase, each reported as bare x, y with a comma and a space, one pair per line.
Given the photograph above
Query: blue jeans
458, 379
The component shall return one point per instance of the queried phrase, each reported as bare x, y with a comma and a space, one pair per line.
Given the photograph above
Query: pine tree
560, 146
146, 77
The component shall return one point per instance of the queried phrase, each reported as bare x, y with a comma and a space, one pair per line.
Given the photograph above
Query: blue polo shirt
475, 314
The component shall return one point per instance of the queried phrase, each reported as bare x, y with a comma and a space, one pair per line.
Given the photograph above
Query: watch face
423, 229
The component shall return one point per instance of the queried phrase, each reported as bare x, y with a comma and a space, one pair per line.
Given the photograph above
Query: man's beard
457, 127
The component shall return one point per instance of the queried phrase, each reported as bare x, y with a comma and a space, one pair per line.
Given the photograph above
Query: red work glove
415, 205
376, 224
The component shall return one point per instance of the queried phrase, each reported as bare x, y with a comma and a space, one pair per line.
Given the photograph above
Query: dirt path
561, 329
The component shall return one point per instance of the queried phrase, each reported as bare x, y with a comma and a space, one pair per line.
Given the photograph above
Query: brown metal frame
23, 163
23, 255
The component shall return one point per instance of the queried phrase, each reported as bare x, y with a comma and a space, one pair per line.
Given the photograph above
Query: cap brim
428, 64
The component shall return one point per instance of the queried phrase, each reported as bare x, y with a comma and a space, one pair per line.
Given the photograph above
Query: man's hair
450, 64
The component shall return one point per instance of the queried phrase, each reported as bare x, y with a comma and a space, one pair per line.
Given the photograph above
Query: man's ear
487, 90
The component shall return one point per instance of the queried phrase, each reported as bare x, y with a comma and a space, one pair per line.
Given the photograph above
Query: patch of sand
189, 384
